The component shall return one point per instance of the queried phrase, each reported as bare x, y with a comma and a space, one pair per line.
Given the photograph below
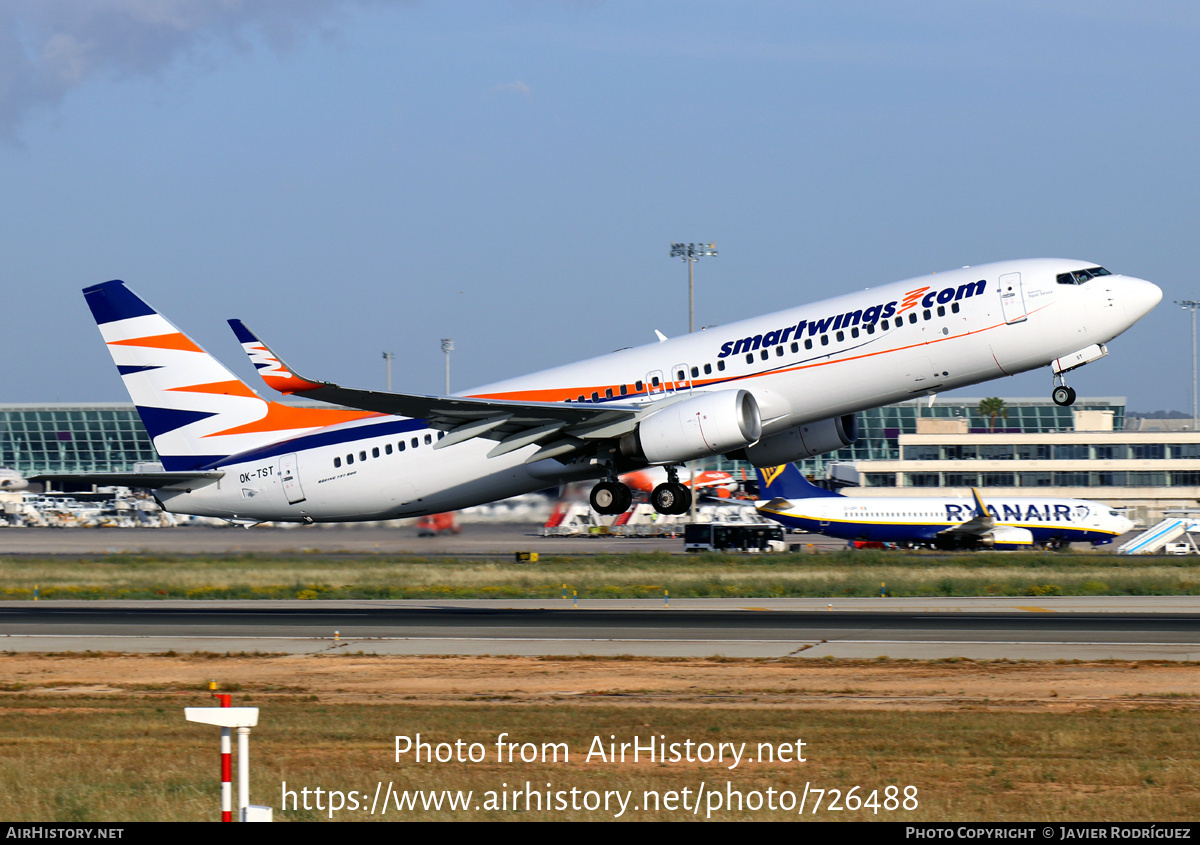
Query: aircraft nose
1140, 297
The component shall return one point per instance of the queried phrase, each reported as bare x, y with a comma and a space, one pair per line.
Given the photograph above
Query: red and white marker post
228, 717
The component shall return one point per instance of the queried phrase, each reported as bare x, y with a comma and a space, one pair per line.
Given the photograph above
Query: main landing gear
1062, 395
610, 497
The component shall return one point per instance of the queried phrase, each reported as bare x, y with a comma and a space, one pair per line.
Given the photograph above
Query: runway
1082, 629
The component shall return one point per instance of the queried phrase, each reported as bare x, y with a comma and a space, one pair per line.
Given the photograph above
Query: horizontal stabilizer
144, 480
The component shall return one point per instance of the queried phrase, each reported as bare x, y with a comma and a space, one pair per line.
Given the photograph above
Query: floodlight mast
1192, 305
447, 348
691, 253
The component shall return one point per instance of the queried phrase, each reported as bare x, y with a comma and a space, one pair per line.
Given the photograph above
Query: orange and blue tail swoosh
195, 410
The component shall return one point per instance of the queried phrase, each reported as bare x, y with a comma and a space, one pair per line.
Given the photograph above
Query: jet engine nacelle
803, 441
705, 425
1007, 537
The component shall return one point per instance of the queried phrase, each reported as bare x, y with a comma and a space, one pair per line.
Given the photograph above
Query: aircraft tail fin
195, 410
787, 482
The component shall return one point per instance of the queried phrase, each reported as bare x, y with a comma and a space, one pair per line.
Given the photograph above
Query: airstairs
1155, 539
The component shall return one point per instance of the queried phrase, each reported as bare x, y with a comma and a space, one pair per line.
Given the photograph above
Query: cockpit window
1078, 277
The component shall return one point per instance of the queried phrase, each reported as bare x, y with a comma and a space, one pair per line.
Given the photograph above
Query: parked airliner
946, 522
770, 390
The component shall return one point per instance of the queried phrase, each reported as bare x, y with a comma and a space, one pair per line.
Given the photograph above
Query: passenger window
749, 357
954, 307
824, 340
695, 371
808, 343
349, 459
927, 314
595, 396
884, 325
388, 448
375, 452
721, 366
337, 462
778, 351
795, 347
854, 332
415, 442
362, 456
400, 445
764, 354
941, 310
637, 386
708, 369
428, 439
912, 316
654, 381
870, 328
841, 336
608, 394
624, 390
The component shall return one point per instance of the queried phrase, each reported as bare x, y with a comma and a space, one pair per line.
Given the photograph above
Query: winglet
271, 368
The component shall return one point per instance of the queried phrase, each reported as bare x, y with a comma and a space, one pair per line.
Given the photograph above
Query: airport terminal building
1085, 451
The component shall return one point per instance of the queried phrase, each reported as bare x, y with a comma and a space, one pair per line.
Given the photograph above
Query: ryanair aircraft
768, 390
944, 522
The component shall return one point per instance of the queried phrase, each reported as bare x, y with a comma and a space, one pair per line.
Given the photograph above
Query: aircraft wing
560, 428
147, 480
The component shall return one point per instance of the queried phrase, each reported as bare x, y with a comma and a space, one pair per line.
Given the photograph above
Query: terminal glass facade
72, 438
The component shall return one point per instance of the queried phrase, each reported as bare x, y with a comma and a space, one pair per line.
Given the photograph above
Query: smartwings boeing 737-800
770, 390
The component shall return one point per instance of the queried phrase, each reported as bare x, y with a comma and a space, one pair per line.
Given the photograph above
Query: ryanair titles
927, 297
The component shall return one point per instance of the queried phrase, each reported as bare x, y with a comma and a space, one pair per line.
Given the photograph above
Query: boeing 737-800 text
771, 390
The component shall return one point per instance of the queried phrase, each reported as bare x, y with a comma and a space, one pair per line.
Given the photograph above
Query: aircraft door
290, 478
680, 380
654, 383
1012, 298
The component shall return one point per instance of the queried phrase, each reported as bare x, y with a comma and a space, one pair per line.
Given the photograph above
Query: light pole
447, 347
691, 253
1192, 305
388, 356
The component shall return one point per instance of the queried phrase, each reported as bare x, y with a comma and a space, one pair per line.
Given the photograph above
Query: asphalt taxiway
1139, 628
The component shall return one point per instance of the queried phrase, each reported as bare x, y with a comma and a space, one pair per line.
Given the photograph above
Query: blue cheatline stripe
181, 463
383, 428
112, 301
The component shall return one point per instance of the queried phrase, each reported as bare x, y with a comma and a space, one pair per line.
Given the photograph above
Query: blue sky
354, 176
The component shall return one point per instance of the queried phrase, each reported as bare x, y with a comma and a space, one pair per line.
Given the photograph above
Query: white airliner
946, 522
10, 479
771, 390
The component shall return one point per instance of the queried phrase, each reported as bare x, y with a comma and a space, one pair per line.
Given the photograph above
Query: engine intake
705, 425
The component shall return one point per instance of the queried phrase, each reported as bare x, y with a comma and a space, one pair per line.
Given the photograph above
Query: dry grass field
102, 737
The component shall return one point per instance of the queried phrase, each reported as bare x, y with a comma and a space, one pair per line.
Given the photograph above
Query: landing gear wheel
610, 498
671, 498
1063, 395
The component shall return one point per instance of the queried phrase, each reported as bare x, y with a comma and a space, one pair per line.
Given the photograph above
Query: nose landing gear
1062, 395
